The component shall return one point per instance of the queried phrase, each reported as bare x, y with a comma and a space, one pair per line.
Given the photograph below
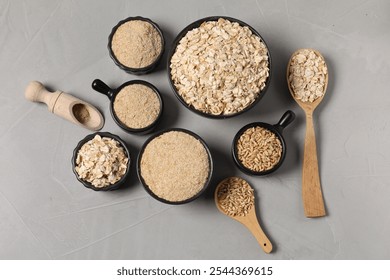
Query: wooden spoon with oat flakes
307, 80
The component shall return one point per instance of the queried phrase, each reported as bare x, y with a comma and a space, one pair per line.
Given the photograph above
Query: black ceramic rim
143, 70
173, 49
147, 187
273, 129
124, 126
90, 137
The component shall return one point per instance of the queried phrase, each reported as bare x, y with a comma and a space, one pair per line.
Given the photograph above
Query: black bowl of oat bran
136, 45
101, 161
136, 106
175, 166
219, 67
259, 148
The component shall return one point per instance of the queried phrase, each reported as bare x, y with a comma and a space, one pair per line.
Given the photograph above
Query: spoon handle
313, 202
253, 225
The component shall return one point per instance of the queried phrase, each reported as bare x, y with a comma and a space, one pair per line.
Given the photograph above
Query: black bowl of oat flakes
219, 67
101, 161
136, 45
259, 148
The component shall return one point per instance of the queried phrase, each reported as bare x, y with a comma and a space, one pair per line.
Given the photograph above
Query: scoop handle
252, 223
36, 92
313, 201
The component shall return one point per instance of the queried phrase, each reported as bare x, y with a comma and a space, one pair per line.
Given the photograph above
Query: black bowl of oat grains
136, 45
101, 161
259, 148
219, 67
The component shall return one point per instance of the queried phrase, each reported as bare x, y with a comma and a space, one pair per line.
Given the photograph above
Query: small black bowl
194, 25
277, 129
101, 87
90, 137
143, 70
147, 187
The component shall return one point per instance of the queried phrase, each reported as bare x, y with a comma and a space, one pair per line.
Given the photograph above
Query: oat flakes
220, 68
307, 75
101, 161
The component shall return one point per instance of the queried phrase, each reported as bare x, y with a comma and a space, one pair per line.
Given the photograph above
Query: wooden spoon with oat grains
234, 197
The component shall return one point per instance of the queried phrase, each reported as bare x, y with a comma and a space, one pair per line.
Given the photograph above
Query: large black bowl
196, 24
147, 187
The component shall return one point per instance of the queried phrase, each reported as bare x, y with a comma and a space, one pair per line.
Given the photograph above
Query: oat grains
259, 149
235, 197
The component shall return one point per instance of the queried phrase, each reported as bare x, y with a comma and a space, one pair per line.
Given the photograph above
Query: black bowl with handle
276, 129
103, 88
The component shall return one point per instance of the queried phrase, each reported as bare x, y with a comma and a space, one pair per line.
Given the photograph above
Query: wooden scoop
313, 201
66, 106
249, 219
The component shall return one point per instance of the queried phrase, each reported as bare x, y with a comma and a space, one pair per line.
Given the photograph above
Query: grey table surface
45, 213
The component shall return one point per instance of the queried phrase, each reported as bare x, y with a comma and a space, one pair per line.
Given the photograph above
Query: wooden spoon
249, 219
313, 201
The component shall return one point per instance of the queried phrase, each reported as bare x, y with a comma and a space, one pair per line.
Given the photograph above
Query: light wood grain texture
313, 201
251, 222
66, 106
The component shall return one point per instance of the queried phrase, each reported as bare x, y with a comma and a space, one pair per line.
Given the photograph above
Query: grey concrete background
45, 213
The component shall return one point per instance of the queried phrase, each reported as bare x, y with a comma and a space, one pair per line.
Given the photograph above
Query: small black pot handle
101, 87
285, 120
